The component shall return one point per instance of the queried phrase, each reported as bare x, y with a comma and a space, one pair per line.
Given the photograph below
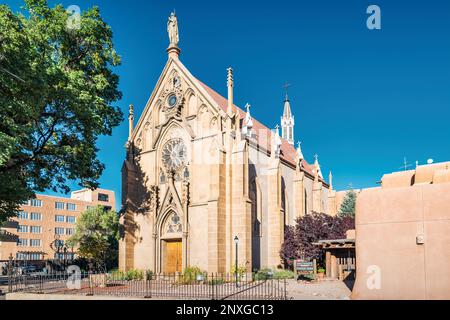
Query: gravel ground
323, 290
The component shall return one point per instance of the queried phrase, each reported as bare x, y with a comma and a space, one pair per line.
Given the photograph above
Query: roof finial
130, 121
231, 109
248, 117
174, 39
330, 180
299, 150
286, 87
317, 166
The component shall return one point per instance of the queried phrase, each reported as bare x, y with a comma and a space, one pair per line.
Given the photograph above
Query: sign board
304, 266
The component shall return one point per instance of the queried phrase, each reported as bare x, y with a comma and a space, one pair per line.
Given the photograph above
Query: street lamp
236, 241
65, 257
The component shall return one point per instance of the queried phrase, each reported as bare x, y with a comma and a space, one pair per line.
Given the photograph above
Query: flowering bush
299, 239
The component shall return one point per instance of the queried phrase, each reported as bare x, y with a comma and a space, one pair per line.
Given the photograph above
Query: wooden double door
173, 256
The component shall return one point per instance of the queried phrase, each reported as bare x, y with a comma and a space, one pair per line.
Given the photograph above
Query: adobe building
200, 171
47, 221
403, 236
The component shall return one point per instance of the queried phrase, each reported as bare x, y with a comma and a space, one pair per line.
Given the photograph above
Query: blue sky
362, 99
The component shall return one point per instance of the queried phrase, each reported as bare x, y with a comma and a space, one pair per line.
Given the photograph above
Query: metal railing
214, 286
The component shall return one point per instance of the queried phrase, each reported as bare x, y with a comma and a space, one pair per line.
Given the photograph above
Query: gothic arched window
173, 224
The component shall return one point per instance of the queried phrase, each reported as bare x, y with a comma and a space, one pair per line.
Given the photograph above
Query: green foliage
190, 275
217, 281
347, 208
131, 275
57, 95
241, 270
283, 274
96, 236
266, 273
321, 270
263, 274
149, 274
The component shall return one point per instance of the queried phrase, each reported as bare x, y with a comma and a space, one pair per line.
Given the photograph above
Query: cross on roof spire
286, 87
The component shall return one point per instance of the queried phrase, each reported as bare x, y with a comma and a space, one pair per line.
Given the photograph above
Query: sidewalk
323, 290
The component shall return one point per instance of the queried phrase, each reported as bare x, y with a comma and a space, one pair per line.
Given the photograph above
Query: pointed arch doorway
172, 261
171, 244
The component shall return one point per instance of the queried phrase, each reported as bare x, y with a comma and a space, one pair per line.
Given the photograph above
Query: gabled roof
288, 152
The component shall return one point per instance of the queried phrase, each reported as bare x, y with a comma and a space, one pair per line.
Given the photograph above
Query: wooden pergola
340, 257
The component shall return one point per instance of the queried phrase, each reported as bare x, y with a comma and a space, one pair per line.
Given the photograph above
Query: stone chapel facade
200, 171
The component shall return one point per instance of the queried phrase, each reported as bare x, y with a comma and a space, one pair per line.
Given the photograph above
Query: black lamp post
236, 241
65, 257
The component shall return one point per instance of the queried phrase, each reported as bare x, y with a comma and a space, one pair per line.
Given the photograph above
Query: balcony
6, 236
10, 224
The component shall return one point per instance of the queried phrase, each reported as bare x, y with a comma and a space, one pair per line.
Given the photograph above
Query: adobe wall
387, 224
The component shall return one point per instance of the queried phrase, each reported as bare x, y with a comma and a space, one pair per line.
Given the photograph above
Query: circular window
172, 100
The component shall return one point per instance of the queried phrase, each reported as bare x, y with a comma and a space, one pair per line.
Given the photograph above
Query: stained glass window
174, 224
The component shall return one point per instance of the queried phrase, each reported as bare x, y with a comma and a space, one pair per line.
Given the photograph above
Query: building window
71, 206
36, 203
35, 229
59, 243
22, 215
59, 231
22, 229
103, 197
36, 216
70, 219
174, 224
70, 231
34, 256
35, 243
59, 218
67, 256
60, 205
22, 242
28, 256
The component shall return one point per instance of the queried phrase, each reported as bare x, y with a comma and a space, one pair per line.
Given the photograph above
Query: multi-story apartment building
44, 224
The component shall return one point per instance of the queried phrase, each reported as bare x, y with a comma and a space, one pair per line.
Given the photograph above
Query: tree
97, 236
57, 90
348, 204
299, 239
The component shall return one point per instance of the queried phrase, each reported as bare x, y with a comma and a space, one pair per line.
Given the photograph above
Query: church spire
287, 120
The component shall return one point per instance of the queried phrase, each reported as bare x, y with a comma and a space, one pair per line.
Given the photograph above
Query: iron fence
214, 286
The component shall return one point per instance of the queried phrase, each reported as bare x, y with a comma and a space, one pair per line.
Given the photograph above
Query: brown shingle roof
264, 140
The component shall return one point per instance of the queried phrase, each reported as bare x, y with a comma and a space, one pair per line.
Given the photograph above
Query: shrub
241, 270
148, 274
190, 274
284, 274
321, 270
266, 273
216, 281
134, 274
263, 274
299, 239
